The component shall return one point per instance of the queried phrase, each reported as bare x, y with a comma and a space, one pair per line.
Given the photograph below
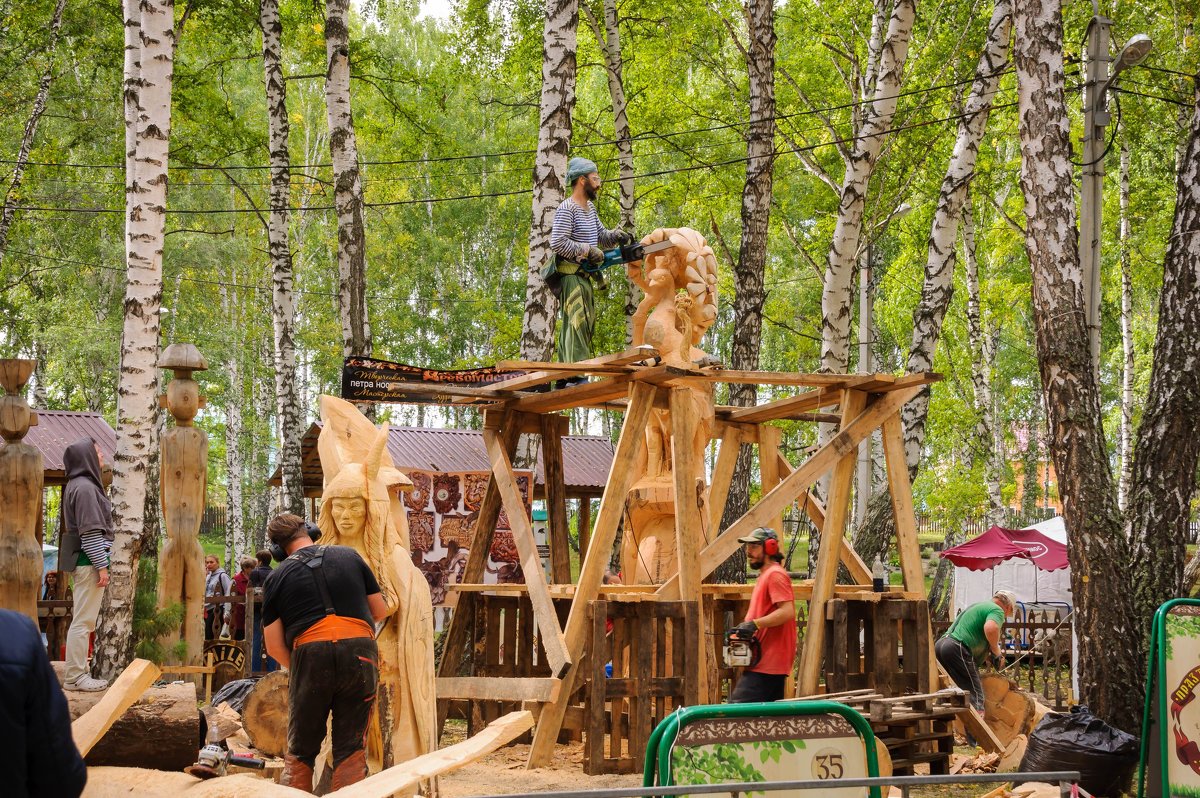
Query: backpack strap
314, 558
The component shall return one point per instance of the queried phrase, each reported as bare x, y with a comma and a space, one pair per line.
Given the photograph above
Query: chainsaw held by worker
214, 760
741, 649
629, 253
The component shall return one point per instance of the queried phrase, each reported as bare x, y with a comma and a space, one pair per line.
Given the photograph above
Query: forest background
446, 113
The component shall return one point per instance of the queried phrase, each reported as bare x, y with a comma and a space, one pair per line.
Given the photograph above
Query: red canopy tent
999, 544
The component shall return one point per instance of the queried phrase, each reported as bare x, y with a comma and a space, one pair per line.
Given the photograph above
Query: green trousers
578, 321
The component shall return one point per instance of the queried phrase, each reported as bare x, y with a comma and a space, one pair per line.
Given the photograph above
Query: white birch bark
550, 167
986, 432
939, 262
1125, 438
289, 413
348, 190
151, 71
235, 399
31, 126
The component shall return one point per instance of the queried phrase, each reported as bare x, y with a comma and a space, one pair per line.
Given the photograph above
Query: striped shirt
576, 230
95, 546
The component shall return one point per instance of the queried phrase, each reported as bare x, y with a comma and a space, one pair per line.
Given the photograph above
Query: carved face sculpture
350, 515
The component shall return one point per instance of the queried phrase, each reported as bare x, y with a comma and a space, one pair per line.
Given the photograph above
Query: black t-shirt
291, 593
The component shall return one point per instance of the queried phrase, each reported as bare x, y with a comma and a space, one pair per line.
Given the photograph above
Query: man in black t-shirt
319, 609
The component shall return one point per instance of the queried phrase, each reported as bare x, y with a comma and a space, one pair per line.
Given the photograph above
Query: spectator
40, 755
258, 578
86, 540
217, 583
241, 583
49, 586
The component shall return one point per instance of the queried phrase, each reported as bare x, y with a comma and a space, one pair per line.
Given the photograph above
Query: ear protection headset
279, 554
771, 544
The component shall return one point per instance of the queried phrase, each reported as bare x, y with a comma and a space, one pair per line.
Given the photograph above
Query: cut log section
1013, 755
161, 730
92, 725
265, 714
1007, 709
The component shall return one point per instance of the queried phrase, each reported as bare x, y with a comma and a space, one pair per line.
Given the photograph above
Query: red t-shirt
778, 642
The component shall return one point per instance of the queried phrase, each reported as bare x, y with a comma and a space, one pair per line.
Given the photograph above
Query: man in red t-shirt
771, 618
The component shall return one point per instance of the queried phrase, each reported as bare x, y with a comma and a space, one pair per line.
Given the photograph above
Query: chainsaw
630, 253
214, 760
742, 648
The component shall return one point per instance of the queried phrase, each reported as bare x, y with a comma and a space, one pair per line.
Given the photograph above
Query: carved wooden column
184, 471
20, 495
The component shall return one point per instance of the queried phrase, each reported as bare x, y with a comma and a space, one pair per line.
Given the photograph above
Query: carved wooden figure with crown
20, 494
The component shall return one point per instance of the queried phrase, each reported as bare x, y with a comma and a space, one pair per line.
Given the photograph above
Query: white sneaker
86, 684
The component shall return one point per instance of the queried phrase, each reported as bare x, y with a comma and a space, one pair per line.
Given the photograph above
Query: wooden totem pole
184, 471
20, 495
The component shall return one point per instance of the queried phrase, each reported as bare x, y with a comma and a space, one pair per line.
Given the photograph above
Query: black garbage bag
235, 693
1078, 740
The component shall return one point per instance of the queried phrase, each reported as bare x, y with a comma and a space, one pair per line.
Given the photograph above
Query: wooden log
161, 730
1007, 709
120, 696
1013, 754
265, 714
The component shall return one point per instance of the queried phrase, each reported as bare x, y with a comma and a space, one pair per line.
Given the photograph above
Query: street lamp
1100, 78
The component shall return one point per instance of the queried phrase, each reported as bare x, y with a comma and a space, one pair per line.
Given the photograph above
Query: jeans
257, 649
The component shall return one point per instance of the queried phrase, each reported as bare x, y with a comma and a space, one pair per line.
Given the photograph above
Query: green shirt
968, 627
82, 559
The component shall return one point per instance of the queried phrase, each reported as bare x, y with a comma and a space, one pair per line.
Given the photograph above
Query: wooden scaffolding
635, 383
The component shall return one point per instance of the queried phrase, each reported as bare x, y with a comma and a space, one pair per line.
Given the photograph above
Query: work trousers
88, 593
754, 687
339, 677
960, 667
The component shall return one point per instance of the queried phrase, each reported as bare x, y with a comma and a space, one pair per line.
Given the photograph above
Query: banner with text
366, 379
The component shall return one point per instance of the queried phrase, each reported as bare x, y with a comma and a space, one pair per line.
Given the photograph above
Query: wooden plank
556, 500
458, 634
786, 492
120, 696
632, 355
689, 483
584, 520
495, 688
406, 775
769, 439
832, 533
612, 508
780, 408
905, 517
718, 494
596, 688
830, 381
531, 563
604, 390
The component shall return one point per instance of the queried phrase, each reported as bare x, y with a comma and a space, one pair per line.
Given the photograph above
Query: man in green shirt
974, 634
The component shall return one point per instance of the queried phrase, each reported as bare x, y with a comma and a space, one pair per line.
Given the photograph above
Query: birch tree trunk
939, 263
836, 297
1108, 634
1126, 434
550, 167
1168, 448
750, 270
283, 304
347, 184
150, 31
981, 376
31, 126
235, 399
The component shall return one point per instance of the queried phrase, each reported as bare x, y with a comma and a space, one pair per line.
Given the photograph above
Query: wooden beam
689, 485
633, 355
574, 368
792, 485
604, 390
407, 775
522, 531
829, 555
495, 688
780, 408
907, 545
458, 633
556, 500
769, 439
612, 508
718, 494
584, 523
858, 569
829, 381
90, 727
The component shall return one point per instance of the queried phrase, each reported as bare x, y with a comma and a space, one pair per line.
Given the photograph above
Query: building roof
57, 429
586, 458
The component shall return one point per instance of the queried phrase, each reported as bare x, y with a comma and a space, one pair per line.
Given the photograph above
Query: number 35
827, 766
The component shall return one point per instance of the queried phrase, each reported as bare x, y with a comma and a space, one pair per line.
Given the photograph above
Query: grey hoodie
85, 508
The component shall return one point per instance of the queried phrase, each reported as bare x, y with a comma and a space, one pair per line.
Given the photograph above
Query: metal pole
1091, 194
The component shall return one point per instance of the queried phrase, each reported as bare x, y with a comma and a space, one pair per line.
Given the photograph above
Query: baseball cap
1008, 597
759, 535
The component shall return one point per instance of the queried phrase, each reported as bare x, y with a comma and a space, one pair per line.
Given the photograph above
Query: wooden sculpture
184, 470
361, 482
20, 495
679, 306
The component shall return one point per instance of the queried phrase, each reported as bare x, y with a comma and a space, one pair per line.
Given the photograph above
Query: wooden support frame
556, 500
689, 485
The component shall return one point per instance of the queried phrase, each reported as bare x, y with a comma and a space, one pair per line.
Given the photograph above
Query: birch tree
235, 399
31, 126
283, 304
347, 184
559, 46
149, 68
1125, 434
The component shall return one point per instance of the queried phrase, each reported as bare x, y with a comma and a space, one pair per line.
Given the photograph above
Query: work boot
350, 770
297, 774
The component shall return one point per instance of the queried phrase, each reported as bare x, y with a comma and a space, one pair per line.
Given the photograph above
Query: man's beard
590, 191
758, 564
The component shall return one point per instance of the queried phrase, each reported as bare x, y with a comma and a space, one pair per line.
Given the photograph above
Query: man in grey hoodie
87, 537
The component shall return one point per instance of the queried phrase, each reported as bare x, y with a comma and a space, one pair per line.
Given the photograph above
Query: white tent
1029, 583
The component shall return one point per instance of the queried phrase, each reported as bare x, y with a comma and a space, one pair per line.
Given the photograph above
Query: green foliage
714, 764
150, 624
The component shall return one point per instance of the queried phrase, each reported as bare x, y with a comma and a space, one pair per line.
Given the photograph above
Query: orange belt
333, 628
